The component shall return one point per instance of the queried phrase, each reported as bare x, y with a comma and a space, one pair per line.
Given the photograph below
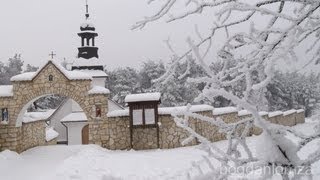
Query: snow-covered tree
294, 91
31, 68
12, 68
274, 29
121, 82
150, 70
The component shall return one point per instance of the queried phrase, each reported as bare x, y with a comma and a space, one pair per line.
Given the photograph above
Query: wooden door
85, 134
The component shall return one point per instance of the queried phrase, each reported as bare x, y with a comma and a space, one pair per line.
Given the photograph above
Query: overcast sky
34, 28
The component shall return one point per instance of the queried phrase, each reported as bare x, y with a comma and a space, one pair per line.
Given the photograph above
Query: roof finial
87, 10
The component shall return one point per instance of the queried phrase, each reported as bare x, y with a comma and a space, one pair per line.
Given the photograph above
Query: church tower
88, 52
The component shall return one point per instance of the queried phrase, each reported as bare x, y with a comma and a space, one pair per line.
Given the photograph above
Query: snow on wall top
74, 117
118, 113
71, 75
224, 110
181, 109
37, 116
286, 113
275, 113
6, 91
300, 110
99, 90
142, 97
51, 134
165, 110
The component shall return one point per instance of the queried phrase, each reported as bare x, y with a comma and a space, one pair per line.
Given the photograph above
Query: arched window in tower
50, 78
98, 111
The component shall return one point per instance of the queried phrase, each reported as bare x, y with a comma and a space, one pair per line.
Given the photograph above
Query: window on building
149, 116
50, 78
4, 115
137, 117
98, 110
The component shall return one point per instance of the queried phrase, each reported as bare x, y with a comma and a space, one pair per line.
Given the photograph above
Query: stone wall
33, 134
22, 138
10, 138
115, 132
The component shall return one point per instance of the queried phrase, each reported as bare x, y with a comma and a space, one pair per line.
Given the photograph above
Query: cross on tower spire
52, 54
87, 10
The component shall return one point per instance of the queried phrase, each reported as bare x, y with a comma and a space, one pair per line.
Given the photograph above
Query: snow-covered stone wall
115, 132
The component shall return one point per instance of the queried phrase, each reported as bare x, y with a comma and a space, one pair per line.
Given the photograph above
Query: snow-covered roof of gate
71, 75
99, 90
6, 91
143, 97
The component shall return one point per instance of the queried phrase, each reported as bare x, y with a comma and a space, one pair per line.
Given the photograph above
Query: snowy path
93, 162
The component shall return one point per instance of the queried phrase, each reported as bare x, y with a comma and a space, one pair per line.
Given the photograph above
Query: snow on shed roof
75, 117
142, 97
71, 75
99, 90
6, 91
118, 113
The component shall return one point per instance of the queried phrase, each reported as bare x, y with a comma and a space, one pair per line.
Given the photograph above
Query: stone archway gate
52, 78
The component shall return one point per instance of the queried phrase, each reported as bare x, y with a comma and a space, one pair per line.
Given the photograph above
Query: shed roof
143, 97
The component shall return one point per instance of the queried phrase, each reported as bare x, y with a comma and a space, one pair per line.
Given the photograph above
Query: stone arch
28, 87
31, 98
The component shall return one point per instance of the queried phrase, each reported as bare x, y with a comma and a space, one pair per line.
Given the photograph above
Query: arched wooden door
85, 134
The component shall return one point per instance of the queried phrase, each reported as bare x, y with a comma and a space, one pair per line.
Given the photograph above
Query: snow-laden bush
259, 36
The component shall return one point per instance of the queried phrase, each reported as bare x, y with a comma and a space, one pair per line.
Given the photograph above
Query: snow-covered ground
95, 163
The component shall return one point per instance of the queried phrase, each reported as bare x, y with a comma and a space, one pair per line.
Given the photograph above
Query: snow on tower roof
93, 73
87, 62
143, 97
6, 91
99, 90
71, 75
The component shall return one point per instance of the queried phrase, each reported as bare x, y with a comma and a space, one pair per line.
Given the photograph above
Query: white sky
34, 28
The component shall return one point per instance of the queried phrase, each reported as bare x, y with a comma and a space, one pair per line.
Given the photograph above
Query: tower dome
87, 52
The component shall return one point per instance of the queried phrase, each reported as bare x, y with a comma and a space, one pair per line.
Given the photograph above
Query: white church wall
75, 107
99, 82
55, 120
112, 106
75, 132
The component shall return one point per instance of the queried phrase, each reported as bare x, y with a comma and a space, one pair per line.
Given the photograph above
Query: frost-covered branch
248, 58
